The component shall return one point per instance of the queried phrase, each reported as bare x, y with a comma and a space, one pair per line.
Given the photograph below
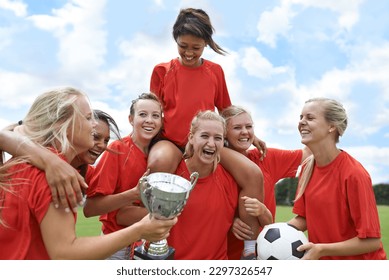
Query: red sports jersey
23, 209
201, 230
116, 172
339, 204
184, 91
277, 164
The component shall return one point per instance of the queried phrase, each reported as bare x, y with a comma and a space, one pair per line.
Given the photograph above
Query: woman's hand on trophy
156, 229
241, 230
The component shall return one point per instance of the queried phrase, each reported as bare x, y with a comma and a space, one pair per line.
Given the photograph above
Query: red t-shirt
117, 172
23, 209
202, 227
184, 91
339, 204
277, 164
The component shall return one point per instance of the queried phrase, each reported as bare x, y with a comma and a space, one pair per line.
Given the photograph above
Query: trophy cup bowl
164, 195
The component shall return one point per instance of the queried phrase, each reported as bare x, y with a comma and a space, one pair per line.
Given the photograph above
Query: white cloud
17, 7
278, 21
370, 67
79, 28
5, 37
19, 89
258, 66
348, 10
131, 76
159, 3
374, 159
274, 23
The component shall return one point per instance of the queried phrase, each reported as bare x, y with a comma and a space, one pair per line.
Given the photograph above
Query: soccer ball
279, 241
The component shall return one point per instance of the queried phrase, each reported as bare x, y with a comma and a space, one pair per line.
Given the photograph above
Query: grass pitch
92, 226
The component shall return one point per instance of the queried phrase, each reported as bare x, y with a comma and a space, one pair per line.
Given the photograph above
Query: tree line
286, 189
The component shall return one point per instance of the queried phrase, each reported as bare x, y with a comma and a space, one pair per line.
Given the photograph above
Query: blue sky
280, 54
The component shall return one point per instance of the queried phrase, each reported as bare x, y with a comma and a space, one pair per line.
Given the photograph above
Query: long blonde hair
50, 117
47, 123
334, 114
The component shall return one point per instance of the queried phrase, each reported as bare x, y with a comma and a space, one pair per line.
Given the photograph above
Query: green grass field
92, 226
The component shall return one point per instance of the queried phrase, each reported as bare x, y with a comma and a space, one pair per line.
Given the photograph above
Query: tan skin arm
261, 146
241, 230
249, 178
61, 242
129, 215
256, 209
102, 204
350, 247
299, 223
65, 181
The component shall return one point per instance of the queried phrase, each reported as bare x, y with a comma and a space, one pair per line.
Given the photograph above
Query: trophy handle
193, 179
144, 188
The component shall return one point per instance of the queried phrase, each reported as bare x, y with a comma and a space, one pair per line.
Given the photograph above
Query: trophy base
139, 254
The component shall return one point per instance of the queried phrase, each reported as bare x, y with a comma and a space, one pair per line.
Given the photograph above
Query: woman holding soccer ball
335, 201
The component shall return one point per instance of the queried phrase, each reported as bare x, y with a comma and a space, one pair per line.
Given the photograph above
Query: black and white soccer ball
279, 241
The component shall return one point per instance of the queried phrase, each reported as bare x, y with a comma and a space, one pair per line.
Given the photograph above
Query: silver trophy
164, 195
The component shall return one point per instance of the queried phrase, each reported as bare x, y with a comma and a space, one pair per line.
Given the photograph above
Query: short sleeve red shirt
277, 164
184, 91
116, 172
201, 230
23, 209
338, 204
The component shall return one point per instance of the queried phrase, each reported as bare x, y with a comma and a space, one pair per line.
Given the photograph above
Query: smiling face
101, 139
207, 141
313, 127
240, 132
146, 120
190, 49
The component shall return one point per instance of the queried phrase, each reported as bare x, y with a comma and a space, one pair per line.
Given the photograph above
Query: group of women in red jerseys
175, 129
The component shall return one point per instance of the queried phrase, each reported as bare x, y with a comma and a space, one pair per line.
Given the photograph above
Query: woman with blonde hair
32, 228
277, 165
63, 178
335, 201
201, 232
